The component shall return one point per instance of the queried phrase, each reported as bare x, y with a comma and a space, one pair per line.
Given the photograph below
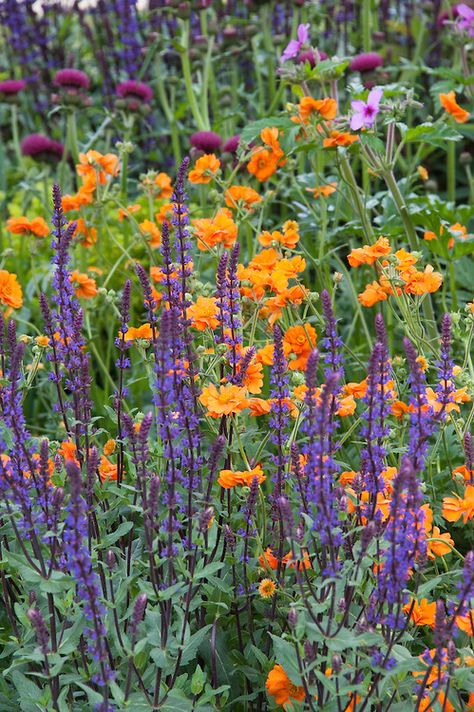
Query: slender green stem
451, 172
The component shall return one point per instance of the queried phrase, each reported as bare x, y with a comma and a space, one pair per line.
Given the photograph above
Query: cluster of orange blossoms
267, 158
456, 231
22, 226
406, 279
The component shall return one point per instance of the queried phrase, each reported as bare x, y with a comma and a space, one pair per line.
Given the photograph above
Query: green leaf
198, 681
121, 530
286, 656
190, 648
434, 134
252, 131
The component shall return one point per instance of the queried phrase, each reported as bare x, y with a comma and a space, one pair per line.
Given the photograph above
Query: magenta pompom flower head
41, 148
294, 47
206, 141
134, 96
71, 84
365, 112
10, 88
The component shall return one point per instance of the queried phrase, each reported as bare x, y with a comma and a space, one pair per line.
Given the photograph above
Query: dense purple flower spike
332, 343
421, 418
279, 414
41, 631
445, 365
405, 542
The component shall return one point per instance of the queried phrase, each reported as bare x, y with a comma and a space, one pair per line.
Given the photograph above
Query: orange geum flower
68, 451
107, 470
421, 613
282, 689
151, 232
299, 341
265, 355
263, 164
84, 196
164, 213
346, 406
10, 291
269, 137
22, 226
423, 282
428, 704
430, 235
358, 390
86, 286
253, 380
288, 238
422, 172
323, 190
205, 170
268, 560
439, 544
372, 294
339, 138
94, 164
241, 195
163, 183
230, 478
368, 254
225, 400
466, 623
124, 213
456, 507
88, 234
259, 406
213, 231
203, 313
139, 332
450, 105
321, 108
109, 447
468, 475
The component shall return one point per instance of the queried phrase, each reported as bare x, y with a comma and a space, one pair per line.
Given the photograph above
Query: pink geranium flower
366, 111
294, 46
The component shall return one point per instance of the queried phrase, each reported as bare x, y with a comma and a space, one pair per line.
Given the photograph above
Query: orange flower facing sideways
87, 235
450, 105
339, 138
323, 190
372, 294
205, 170
423, 282
203, 313
23, 226
151, 232
320, 108
288, 238
231, 478
368, 254
86, 286
456, 507
164, 213
466, 473
107, 470
299, 341
225, 400
466, 623
96, 167
163, 183
280, 687
11, 293
422, 612
263, 164
213, 231
238, 195
139, 332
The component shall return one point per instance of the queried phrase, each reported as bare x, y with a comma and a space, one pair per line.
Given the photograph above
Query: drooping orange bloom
368, 254
107, 470
225, 400
88, 234
259, 406
269, 137
124, 213
323, 190
456, 507
22, 226
163, 183
339, 138
288, 238
231, 478
422, 612
280, 687
346, 406
265, 355
358, 390
273, 308
299, 564
441, 544
84, 196
321, 108
97, 167
139, 332
151, 232
68, 451
268, 560
213, 231
203, 313
467, 474
86, 286
164, 213
426, 705
466, 623
372, 294
450, 105
253, 380
205, 169
263, 164
458, 396
11, 293
238, 195
299, 341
